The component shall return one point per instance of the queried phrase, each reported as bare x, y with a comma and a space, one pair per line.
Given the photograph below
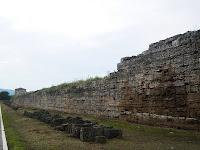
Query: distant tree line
4, 95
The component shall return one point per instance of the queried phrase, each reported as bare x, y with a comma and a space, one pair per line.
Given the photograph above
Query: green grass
40, 136
14, 140
71, 85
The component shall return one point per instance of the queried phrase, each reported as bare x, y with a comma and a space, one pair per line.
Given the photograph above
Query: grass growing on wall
72, 85
73, 88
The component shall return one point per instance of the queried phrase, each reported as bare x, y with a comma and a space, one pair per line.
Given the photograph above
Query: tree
4, 95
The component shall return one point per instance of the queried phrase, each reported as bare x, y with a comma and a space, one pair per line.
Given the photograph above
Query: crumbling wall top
177, 40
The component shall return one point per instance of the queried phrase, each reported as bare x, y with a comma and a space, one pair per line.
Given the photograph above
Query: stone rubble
85, 130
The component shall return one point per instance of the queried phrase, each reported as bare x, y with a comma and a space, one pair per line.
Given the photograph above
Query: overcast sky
48, 42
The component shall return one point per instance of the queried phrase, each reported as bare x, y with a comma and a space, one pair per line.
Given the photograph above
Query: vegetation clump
73, 87
4, 95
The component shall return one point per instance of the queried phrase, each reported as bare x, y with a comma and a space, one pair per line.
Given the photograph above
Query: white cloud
3, 62
77, 18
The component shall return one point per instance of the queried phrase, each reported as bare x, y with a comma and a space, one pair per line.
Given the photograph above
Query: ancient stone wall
161, 86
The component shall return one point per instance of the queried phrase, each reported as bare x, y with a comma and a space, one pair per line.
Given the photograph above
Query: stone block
76, 120
58, 121
75, 132
87, 134
68, 128
28, 114
100, 139
60, 128
99, 130
112, 133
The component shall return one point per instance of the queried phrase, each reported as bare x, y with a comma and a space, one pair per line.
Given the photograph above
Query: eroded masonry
161, 86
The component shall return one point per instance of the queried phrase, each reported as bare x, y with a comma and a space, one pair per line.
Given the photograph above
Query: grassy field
30, 134
14, 140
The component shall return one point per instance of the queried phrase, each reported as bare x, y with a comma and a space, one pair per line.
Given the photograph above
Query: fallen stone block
35, 115
112, 133
58, 121
100, 139
76, 130
59, 128
28, 114
87, 134
48, 120
45, 118
68, 128
99, 130
76, 120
